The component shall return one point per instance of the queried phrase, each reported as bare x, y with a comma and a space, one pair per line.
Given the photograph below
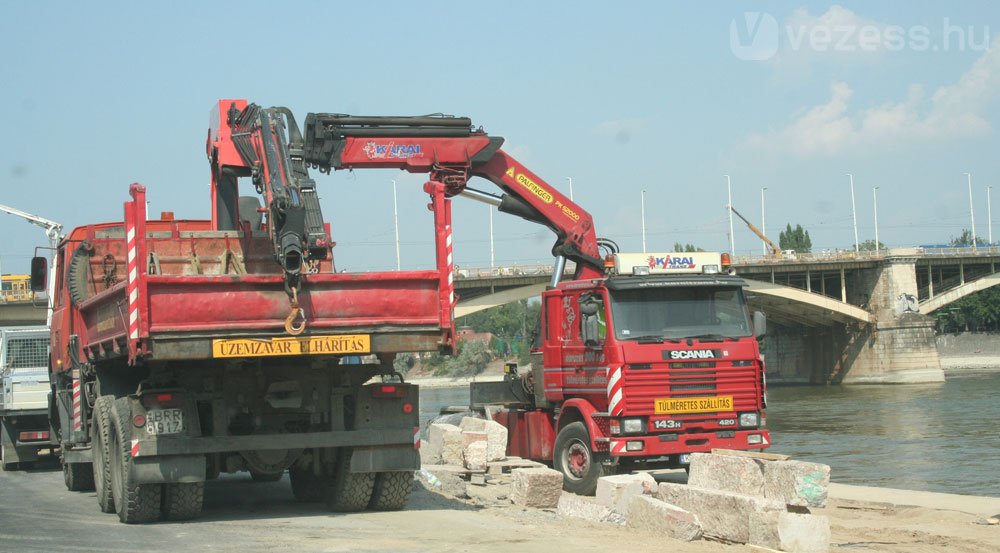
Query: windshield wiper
711, 337
648, 339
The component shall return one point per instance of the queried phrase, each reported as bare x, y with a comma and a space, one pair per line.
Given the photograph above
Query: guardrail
540, 269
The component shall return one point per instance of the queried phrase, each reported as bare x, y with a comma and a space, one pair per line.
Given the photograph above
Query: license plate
311, 345
164, 421
685, 459
693, 405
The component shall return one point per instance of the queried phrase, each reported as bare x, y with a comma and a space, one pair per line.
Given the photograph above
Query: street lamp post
854, 216
570, 179
875, 205
395, 221
729, 208
763, 223
972, 212
492, 259
642, 208
989, 215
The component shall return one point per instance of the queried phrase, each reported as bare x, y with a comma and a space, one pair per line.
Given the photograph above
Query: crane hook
296, 314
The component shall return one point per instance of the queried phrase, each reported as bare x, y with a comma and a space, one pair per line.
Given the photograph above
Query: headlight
633, 426
710, 269
633, 445
754, 439
749, 419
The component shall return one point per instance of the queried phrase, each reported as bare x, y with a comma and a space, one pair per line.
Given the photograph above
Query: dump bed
173, 290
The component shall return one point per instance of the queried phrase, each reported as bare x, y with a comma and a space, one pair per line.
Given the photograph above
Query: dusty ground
38, 514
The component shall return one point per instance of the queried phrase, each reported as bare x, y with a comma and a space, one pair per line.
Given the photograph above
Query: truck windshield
676, 313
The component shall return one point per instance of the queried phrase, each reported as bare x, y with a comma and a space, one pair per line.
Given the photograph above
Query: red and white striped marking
416, 437
615, 404
133, 285
77, 401
451, 265
617, 447
135, 448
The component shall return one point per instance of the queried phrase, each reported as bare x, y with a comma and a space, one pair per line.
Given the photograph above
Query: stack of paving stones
470, 460
731, 496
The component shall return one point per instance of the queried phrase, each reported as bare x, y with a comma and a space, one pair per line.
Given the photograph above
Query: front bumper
658, 445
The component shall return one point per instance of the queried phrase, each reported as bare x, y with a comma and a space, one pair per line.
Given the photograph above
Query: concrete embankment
969, 350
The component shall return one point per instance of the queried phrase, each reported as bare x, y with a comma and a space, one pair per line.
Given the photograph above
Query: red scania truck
653, 360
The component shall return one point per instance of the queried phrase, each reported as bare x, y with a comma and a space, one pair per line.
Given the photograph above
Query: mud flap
169, 469
385, 458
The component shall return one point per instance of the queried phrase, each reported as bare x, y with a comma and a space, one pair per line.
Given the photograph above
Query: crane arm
451, 151
774, 247
52, 229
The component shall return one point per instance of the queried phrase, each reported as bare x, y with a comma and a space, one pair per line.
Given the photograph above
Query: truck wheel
266, 476
306, 486
573, 457
135, 503
350, 491
79, 477
100, 428
183, 501
391, 490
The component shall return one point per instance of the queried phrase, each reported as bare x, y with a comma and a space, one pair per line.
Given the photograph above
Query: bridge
853, 317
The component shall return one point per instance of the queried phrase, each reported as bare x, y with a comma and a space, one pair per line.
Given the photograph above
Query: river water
937, 437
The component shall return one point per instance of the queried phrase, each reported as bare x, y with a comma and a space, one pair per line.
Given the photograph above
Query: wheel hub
578, 460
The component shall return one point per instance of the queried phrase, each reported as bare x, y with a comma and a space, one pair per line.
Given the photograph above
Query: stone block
430, 452
536, 487
472, 424
475, 456
496, 439
792, 532
743, 475
470, 437
576, 506
647, 513
797, 483
723, 515
616, 491
452, 446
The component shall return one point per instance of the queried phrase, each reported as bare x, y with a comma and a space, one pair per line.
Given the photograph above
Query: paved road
241, 515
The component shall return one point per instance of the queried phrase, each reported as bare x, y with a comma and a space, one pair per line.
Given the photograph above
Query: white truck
24, 393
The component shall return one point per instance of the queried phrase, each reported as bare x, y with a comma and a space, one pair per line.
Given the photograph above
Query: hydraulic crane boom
775, 249
247, 140
52, 229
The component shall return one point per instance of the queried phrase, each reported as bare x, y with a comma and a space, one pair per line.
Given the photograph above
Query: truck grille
26, 353
643, 387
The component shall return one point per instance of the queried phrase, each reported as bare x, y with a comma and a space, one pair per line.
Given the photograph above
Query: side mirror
39, 274
759, 324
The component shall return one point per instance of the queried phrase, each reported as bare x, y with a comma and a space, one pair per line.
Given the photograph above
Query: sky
662, 97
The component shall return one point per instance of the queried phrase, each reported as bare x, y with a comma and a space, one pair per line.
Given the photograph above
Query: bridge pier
900, 346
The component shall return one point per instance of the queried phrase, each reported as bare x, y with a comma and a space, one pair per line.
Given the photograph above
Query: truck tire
349, 491
391, 490
573, 457
100, 429
183, 501
79, 477
306, 486
266, 476
134, 503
